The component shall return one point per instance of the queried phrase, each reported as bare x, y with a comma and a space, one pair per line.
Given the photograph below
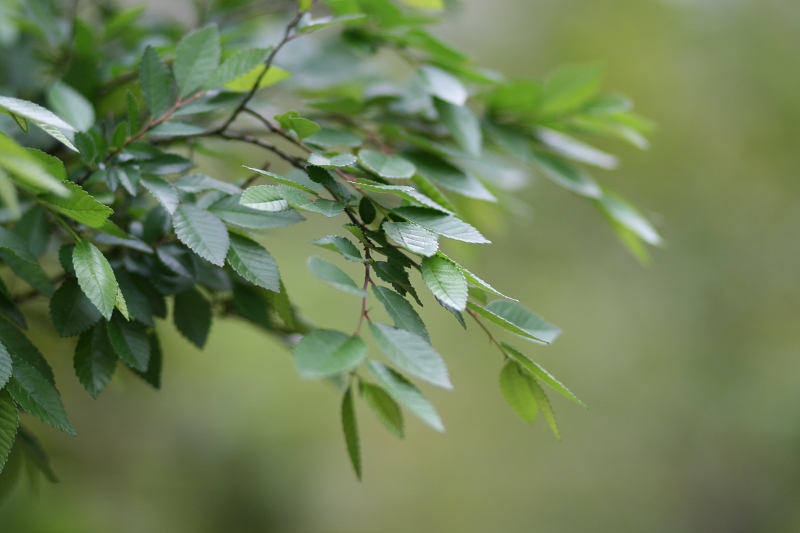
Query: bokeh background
691, 368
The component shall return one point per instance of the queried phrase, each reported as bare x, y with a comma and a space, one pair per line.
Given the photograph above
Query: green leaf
334, 276
192, 316
434, 5
36, 459
231, 211
6, 367
95, 360
285, 180
389, 167
574, 149
9, 422
34, 229
264, 198
195, 183
442, 224
71, 310
519, 316
255, 264
323, 206
446, 282
31, 272
325, 353
401, 311
196, 58
544, 405
244, 83
202, 232
153, 374
350, 428
130, 342
157, 83
463, 125
32, 383
502, 322
336, 161
95, 277
405, 192
472, 279
443, 85
620, 211
567, 175
25, 168
569, 88
323, 22
8, 195
79, 206
291, 120
237, 65
331, 138
366, 210
537, 371
45, 119
406, 394
517, 390
163, 191
411, 353
176, 128
384, 407
397, 277
412, 237
341, 245
439, 171
71, 105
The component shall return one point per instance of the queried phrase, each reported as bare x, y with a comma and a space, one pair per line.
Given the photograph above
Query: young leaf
350, 428
517, 390
79, 206
401, 311
130, 342
442, 224
384, 407
325, 353
412, 237
411, 353
446, 282
537, 371
202, 232
406, 394
95, 277
245, 82
519, 316
71, 310
341, 245
95, 360
334, 276
157, 83
237, 65
192, 316
196, 58
389, 167
255, 264
9, 422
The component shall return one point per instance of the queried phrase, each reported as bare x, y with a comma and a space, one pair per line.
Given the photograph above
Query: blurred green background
690, 368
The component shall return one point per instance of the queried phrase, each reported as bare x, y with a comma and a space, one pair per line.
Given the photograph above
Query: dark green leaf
71, 310
9, 422
153, 374
137, 302
34, 229
231, 211
366, 210
130, 342
95, 360
157, 83
411, 353
196, 58
192, 315
341, 245
350, 428
325, 353
6, 367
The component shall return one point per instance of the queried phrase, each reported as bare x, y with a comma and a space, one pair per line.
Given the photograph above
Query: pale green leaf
524, 319
325, 353
385, 166
574, 149
202, 232
517, 390
231, 211
544, 405
476, 281
405, 192
237, 65
255, 264
625, 214
406, 394
411, 353
463, 125
163, 191
384, 407
443, 85
567, 175
442, 224
537, 371
330, 138
447, 175
79, 206
25, 168
446, 281
334, 276
196, 58
324, 22
336, 161
264, 198
71, 105
412, 237
285, 180
569, 88
95, 277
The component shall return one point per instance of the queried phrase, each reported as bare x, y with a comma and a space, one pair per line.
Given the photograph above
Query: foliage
398, 135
